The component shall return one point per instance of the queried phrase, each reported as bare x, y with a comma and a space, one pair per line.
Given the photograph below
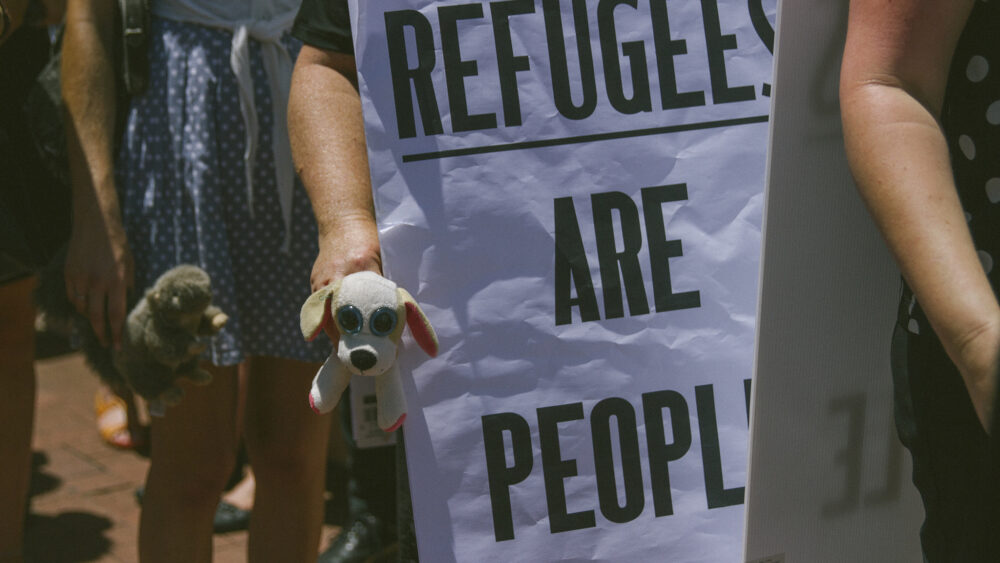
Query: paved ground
83, 506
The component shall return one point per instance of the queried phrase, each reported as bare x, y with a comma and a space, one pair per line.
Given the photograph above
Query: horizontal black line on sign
584, 138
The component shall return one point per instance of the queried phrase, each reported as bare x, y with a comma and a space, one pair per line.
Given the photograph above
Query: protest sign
829, 480
572, 190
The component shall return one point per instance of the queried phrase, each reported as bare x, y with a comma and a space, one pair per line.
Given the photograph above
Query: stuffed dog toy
368, 311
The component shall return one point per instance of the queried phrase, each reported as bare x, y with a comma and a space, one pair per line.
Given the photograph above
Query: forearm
899, 158
88, 89
892, 87
98, 269
327, 136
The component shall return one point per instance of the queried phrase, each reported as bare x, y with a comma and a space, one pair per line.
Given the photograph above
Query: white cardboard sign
573, 190
829, 481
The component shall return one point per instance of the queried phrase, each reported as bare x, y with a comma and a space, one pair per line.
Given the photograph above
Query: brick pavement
83, 506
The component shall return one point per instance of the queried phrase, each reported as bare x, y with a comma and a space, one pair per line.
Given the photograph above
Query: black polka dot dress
953, 460
183, 189
971, 120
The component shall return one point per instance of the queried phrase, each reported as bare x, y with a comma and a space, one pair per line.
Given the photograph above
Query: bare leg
243, 375
241, 495
286, 442
17, 407
193, 452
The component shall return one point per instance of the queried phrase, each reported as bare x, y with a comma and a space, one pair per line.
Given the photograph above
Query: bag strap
134, 45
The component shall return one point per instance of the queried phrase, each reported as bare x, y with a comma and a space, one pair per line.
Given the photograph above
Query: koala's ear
420, 327
315, 312
153, 297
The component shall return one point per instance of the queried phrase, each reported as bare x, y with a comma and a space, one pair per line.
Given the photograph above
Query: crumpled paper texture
473, 237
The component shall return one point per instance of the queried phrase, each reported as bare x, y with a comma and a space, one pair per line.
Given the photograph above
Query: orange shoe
112, 422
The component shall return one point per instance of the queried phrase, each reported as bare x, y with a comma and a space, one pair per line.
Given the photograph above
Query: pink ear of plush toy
420, 327
368, 312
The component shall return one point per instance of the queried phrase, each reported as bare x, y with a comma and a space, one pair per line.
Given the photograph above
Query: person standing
919, 87
327, 134
204, 176
24, 50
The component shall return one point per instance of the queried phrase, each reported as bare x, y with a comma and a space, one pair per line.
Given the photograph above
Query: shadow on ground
67, 538
64, 538
41, 482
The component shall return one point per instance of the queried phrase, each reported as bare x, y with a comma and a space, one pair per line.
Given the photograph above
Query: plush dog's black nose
363, 359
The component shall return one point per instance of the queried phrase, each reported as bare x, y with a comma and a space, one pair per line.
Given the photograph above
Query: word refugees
417, 46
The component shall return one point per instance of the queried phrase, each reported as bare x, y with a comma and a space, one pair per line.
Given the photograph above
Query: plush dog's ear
315, 312
421, 328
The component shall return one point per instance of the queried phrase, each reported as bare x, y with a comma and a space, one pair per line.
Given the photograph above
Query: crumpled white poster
572, 190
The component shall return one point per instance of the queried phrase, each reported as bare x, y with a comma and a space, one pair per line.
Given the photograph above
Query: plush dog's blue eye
383, 321
349, 318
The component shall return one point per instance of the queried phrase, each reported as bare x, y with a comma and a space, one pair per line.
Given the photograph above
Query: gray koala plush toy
162, 337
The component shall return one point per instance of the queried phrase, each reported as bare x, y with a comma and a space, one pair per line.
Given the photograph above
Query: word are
508, 436
572, 268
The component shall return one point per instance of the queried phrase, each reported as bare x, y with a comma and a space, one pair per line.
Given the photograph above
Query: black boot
366, 539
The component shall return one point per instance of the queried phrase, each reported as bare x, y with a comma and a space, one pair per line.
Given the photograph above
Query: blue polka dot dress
183, 192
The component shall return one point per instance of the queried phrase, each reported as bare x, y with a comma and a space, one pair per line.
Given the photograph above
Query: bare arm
328, 144
892, 87
98, 262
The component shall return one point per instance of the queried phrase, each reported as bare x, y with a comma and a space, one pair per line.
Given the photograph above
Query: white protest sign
829, 481
572, 190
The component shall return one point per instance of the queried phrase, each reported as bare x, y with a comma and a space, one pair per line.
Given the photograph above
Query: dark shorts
953, 467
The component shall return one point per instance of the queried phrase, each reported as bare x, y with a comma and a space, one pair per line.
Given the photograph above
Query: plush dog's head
368, 311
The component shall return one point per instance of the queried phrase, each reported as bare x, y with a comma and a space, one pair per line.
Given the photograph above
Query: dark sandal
228, 518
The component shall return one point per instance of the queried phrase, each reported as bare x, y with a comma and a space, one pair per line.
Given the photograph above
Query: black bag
43, 112
44, 109
34, 209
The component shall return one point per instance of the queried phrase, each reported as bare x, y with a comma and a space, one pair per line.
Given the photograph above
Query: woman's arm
328, 143
892, 87
98, 262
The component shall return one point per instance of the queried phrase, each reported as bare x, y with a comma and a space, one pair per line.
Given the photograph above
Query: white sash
265, 22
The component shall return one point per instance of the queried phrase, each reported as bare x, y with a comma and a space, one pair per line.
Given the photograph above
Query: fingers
96, 302
357, 252
98, 276
329, 326
78, 297
116, 314
105, 309
76, 293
